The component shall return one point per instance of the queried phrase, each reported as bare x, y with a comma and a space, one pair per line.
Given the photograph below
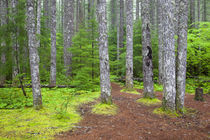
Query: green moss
129, 91
59, 113
161, 111
149, 101
105, 109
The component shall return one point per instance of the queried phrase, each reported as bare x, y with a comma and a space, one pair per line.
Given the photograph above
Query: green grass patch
149, 101
59, 114
105, 109
129, 91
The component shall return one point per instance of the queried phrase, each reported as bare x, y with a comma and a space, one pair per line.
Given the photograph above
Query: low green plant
149, 101
161, 111
105, 109
129, 91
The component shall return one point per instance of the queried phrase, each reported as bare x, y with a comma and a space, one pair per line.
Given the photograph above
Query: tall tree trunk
4, 6
113, 14
147, 50
169, 82
53, 44
118, 33
129, 50
121, 32
192, 12
198, 8
103, 53
137, 9
34, 57
38, 22
181, 53
46, 14
204, 11
152, 12
68, 34
160, 41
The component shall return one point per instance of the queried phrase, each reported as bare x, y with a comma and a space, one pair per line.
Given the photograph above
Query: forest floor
135, 121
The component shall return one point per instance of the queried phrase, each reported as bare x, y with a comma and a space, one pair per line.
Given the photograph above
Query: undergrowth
105, 109
149, 101
58, 114
129, 91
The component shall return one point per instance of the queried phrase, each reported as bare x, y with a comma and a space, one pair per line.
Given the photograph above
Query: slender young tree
33, 54
169, 82
38, 22
181, 53
53, 44
103, 53
113, 9
147, 50
204, 11
121, 28
129, 50
192, 12
198, 9
68, 34
46, 13
137, 9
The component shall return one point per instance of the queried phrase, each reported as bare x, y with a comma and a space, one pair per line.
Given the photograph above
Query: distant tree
192, 12
103, 53
34, 57
204, 11
137, 9
147, 50
129, 41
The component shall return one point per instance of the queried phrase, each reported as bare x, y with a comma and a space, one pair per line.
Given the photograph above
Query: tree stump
199, 94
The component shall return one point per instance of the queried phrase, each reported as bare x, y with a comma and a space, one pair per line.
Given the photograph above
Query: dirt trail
135, 121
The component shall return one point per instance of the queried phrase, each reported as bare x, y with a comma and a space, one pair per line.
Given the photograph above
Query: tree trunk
192, 13
34, 57
46, 14
198, 8
3, 19
113, 14
169, 82
147, 50
137, 9
181, 53
103, 53
152, 12
160, 41
121, 32
199, 94
53, 44
38, 23
204, 11
68, 34
129, 50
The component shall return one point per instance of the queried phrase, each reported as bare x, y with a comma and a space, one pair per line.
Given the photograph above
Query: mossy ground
58, 114
185, 111
149, 101
105, 109
129, 91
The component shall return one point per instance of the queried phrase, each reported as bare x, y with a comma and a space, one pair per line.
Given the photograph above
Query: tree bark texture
46, 14
169, 81
33, 54
129, 41
103, 53
160, 41
152, 12
68, 34
137, 9
113, 14
192, 12
121, 28
147, 50
53, 44
181, 53
38, 22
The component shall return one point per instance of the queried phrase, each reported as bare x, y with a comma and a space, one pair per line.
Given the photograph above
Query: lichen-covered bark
181, 53
121, 28
33, 54
38, 22
68, 34
147, 50
53, 44
169, 81
137, 9
3, 18
152, 12
129, 44
103, 53
160, 41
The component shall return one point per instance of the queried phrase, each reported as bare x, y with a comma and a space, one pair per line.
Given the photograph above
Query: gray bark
121, 28
118, 33
152, 12
204, 11
103, 53
181, 53
113, 14
160, 41
33, 54
38, 22
198, 9
68, 34
169, 81
3, 44
137, 9
46, 13
53, 44
129, 41
147, 50
192, 12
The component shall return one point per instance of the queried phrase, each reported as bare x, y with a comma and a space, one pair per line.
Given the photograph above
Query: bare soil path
135, 121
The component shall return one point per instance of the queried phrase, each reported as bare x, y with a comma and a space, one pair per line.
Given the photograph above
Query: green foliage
105, 109
161, 111
198, 57
59, 114
149, 101
129, 91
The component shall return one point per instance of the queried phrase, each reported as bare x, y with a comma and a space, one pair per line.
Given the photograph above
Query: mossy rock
149, 101
105, 109
133, 91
